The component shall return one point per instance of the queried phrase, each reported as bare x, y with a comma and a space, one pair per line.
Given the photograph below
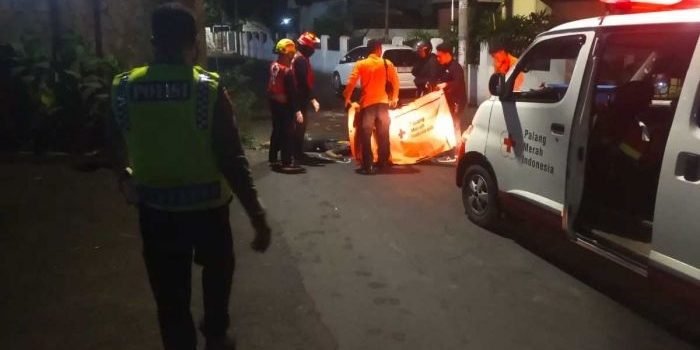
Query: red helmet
308, 39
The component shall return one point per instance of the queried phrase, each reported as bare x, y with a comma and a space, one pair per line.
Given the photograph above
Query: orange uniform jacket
373, 79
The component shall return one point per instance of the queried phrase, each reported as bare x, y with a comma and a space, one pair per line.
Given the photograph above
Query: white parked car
403, 57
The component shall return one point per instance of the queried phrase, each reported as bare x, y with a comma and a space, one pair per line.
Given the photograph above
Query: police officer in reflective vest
175, 143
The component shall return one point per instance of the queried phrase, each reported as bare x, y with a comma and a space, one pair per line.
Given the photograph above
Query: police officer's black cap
173, 25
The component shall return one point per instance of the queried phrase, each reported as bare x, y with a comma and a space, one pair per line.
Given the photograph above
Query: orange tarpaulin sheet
419, 130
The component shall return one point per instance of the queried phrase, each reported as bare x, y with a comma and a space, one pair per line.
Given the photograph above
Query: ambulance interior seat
616, 111
613, 178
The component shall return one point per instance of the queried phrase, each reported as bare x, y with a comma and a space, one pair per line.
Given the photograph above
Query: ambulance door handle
688, 166
558, 128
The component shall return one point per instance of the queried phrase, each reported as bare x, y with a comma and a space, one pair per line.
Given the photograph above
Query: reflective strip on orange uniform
372, 75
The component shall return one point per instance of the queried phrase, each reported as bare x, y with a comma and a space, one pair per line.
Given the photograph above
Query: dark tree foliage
269, 12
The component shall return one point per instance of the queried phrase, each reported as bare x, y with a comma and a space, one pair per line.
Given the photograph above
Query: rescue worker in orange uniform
374, 72
284, 106
304, 75
503, 62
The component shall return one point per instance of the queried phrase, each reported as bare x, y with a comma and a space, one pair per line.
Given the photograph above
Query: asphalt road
380, 262
391, 262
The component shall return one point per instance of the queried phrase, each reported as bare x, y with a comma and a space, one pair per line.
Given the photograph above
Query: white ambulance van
601, 142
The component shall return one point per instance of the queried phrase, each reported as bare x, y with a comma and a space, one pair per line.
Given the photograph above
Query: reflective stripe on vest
630, 151
165, 113
180, 196
121, 111
203, 101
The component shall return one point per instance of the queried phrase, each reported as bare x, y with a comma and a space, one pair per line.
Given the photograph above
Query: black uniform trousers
283, 132
300, 131
375, 117
171, 241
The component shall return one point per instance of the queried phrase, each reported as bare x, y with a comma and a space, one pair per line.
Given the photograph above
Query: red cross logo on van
507, 145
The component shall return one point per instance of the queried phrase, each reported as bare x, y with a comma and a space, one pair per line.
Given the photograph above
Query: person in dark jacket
304, 76
425, 70
174, 145
451, 81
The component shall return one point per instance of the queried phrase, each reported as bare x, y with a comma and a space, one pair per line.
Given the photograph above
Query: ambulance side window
543, 73
650, 60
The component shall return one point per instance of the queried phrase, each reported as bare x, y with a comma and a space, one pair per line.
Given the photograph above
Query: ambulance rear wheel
479, 196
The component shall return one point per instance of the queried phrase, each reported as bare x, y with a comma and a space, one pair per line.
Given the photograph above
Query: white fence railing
260, 45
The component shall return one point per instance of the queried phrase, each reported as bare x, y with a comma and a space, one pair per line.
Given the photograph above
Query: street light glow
286, 21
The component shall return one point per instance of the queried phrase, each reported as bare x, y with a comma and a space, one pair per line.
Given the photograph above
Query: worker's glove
316, 105
299, 117
393, 104
262, 235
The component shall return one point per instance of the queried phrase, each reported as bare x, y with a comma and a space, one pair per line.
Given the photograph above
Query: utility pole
386, 20
463, 32
463, 39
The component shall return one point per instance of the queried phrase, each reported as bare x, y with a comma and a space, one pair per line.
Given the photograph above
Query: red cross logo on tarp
401, 133
509, 143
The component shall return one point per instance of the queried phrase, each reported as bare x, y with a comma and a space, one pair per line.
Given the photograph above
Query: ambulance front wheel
479, 196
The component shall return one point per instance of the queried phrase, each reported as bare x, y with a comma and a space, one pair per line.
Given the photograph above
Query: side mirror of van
497, 82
